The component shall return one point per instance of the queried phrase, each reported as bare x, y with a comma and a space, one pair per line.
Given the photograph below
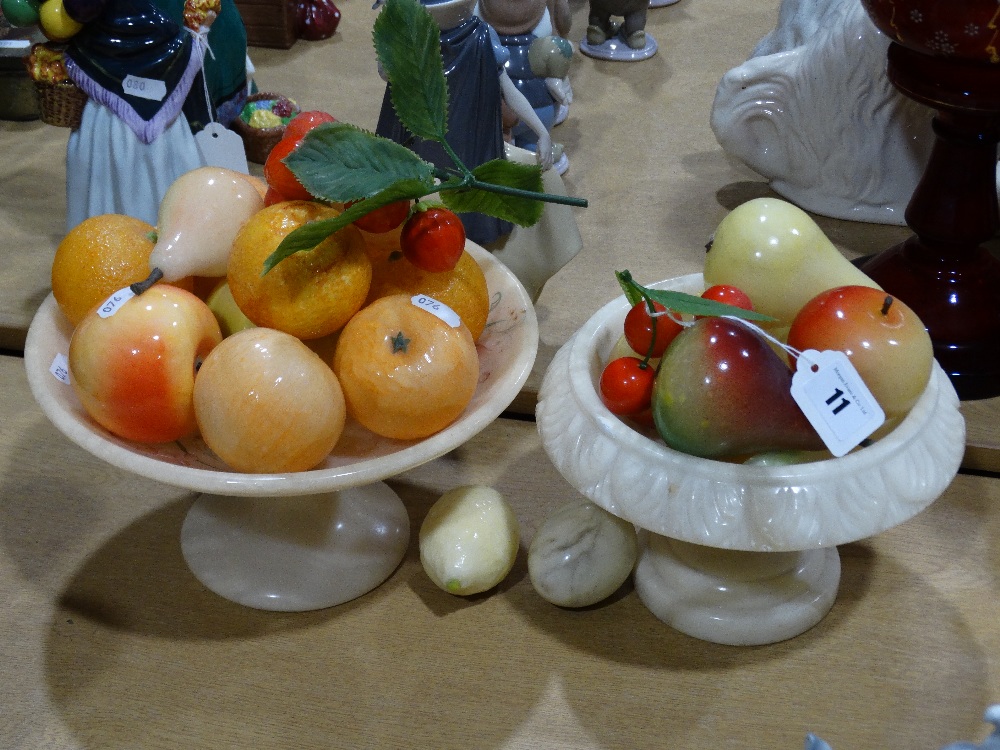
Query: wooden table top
108, 641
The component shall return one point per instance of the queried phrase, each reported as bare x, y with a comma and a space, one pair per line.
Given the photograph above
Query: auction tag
835, 400
222, 147
60, 368
112, 304
440, 309
144, 88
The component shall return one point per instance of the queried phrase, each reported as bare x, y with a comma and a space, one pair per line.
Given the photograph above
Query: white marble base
294, 554
734, 597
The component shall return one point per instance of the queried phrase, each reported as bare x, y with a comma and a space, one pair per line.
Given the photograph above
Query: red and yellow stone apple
134, 370
885, 340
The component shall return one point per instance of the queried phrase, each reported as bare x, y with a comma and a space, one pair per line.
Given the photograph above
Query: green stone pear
779, 256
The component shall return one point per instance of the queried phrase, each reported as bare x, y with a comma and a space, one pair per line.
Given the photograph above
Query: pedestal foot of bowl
733, 597
300, 553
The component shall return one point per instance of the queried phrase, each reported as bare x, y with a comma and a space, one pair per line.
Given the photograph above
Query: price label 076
439, 309
835, 400
110, 306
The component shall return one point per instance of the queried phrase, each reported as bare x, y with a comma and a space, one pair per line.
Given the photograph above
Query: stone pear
723, 392
198, 219
779, 256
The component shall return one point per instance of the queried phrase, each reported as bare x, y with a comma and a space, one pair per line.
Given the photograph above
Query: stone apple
267, 404
134, 369
885, 340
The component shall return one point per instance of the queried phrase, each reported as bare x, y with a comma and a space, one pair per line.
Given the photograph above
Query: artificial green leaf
305, 237
689, 304
341, 162
308, 236
682, 303
408, 45
523, 210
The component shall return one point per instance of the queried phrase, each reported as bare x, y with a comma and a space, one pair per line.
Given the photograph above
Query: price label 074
835, 400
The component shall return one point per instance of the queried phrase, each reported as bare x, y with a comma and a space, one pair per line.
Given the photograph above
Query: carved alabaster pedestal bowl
306, 540
732, 553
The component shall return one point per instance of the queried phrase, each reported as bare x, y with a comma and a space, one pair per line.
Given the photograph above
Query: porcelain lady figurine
141, 68
538, 64
477, 84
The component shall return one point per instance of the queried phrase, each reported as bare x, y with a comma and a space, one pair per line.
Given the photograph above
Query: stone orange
310, 294
406, 373
99, 256
463, 288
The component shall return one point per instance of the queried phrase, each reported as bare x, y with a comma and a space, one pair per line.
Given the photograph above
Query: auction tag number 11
835, 400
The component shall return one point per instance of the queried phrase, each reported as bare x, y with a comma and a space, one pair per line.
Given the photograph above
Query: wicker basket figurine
262, 123
60, 101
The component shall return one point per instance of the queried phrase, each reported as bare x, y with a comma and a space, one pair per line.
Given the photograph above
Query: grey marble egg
581, 554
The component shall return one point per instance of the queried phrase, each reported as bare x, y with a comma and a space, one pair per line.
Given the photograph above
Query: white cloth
109, 170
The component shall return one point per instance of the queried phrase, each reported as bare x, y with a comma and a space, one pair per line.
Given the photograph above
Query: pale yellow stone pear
198, 219
779, 256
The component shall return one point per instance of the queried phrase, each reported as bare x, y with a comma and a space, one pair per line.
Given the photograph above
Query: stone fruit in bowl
723, 391
133, 363
736, 553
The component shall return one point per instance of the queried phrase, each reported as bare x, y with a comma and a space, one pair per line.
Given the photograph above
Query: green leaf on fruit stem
408, 44
341, 162
503, 198
683, 303
308, 236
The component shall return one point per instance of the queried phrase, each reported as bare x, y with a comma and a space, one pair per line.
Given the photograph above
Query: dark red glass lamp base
944, 271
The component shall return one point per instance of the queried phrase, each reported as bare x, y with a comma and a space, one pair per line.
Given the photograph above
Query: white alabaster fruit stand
313, 539
738, 554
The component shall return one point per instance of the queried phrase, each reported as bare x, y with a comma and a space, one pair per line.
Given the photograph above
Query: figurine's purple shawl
133, 37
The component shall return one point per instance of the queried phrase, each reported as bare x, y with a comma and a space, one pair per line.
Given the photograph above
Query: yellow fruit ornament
311, 293
96, 258
55, 22
406, 372
463, 288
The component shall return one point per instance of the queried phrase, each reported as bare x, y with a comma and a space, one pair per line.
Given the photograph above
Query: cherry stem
141, 286
452, 180
886, 304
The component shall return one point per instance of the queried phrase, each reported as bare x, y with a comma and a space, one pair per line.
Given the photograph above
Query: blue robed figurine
538, 64
478, 84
